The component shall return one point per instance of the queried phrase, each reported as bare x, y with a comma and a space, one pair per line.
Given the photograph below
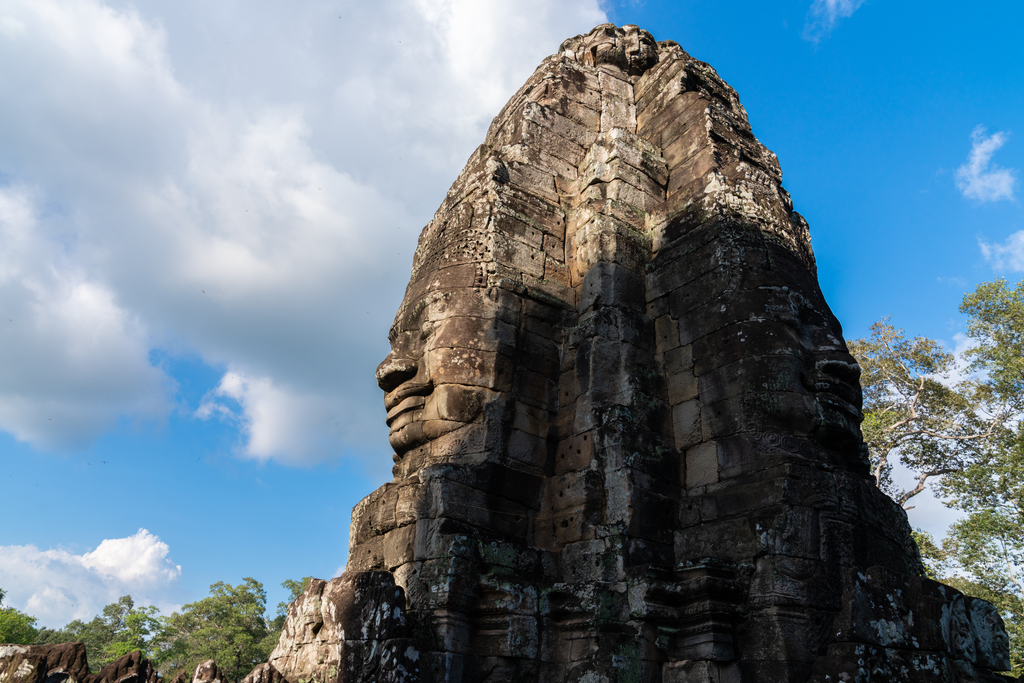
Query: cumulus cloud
1006, 256
978, 178
74, 359
197, 188
57, 586
824, 15
282, 422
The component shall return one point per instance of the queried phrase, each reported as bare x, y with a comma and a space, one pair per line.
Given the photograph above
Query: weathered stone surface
43, 663
352, 628
668, 451
208, 672
66, 662
131, 668
625, 423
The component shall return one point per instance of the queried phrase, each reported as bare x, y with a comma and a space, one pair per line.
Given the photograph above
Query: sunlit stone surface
625, 422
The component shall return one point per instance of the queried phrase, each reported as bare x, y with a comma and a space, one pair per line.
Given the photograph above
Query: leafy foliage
121, 628
996, 323
295, 589
130, 627
16, 627
916, 412
229, 626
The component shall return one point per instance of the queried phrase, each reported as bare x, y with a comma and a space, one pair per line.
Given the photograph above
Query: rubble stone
67, 663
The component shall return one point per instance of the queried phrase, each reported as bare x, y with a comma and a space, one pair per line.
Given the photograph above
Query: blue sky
209, 212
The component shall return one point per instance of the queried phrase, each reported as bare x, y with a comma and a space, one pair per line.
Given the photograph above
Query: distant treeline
230, 626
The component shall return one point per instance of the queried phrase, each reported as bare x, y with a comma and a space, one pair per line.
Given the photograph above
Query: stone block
678, 359
686, 424
702, 465
666, 334
618, 87
528, 449
653, 121
546, 216
696, 671
537, 390
591, 561
729, 540
547, 118
660, 77
682, 386
533, 180
617, 113
399, 546
574, 453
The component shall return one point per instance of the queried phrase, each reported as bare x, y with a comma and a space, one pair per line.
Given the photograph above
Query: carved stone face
828, 397
445, 363
775, 361
629, 48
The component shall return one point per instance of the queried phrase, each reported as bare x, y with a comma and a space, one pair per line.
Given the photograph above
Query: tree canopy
16, 627
919, 411
230, 626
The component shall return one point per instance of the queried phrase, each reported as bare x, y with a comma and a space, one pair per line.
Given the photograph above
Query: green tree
131, 628
229, 626
16, 627
917, 411
121, 628
295, 589
96, 634
996, 324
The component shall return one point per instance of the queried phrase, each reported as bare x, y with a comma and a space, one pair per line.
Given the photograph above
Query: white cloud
825, 14
74, 359
978, 178
281, 422
1006, 256
184, 183
57, 586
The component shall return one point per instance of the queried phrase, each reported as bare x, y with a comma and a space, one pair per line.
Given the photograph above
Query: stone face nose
393, 371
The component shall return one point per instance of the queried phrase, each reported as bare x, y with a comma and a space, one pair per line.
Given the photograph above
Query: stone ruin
67, 663
626, 424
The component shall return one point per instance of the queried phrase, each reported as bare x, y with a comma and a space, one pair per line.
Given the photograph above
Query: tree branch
907, 495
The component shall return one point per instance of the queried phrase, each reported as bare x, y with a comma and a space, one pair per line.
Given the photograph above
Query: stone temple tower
625, 422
